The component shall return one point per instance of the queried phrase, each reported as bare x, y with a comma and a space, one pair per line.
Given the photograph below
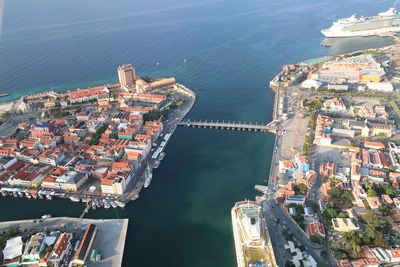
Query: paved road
270, 208
278, 213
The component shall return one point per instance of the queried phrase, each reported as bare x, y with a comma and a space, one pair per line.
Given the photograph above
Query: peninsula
96, 145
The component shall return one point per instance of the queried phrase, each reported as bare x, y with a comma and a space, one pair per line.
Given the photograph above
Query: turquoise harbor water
233, 49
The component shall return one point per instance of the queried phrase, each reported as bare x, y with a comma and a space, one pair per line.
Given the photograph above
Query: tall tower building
127, 76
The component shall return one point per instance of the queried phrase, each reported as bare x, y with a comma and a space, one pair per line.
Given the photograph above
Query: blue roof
44, 124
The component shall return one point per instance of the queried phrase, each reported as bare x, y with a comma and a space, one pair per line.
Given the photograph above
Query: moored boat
75, 199
149, 177
252, 242
120, 204
113, 204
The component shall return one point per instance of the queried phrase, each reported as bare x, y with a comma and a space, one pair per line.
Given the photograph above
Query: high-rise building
127, 76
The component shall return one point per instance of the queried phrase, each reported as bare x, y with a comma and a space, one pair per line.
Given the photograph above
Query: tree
316, 239
152, 115
335, 192
315, 206
371, 193
300, 189
390, 190
96, 137
348, 195
392, 168
385, 210
289, 264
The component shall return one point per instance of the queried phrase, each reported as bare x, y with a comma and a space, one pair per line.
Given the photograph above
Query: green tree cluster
317, 239
96, 137
300, 189
155, 115
373, 235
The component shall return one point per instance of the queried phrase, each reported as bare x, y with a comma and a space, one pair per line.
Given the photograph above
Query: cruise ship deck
252, 241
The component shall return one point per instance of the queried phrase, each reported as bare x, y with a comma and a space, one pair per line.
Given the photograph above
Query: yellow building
371, 78
345, 224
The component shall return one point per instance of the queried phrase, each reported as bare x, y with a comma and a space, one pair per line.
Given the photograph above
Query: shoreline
136, 184
279, 86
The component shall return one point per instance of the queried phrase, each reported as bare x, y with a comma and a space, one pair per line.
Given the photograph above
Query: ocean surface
233, 48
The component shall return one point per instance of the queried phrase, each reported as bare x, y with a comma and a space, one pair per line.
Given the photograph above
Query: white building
311, 84
382, 87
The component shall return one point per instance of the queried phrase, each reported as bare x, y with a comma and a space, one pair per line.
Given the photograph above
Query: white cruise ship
252, 241
385, 22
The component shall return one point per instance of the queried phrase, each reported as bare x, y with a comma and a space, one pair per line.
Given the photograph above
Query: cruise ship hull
340, 34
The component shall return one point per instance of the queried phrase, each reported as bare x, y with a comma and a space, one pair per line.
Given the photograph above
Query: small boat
157, 164
162, 155
107, 205
134, 197
86, 199
326, 44
113, 204
15, 194
94, 205
75, 199
120, 204
184, 60
34, 195
49, 197
4, 94
28, 195
46, 216
4, 194
99, 203
40, 196
149, 177
20, 194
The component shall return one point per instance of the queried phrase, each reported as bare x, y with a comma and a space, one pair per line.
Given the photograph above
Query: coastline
136, 184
